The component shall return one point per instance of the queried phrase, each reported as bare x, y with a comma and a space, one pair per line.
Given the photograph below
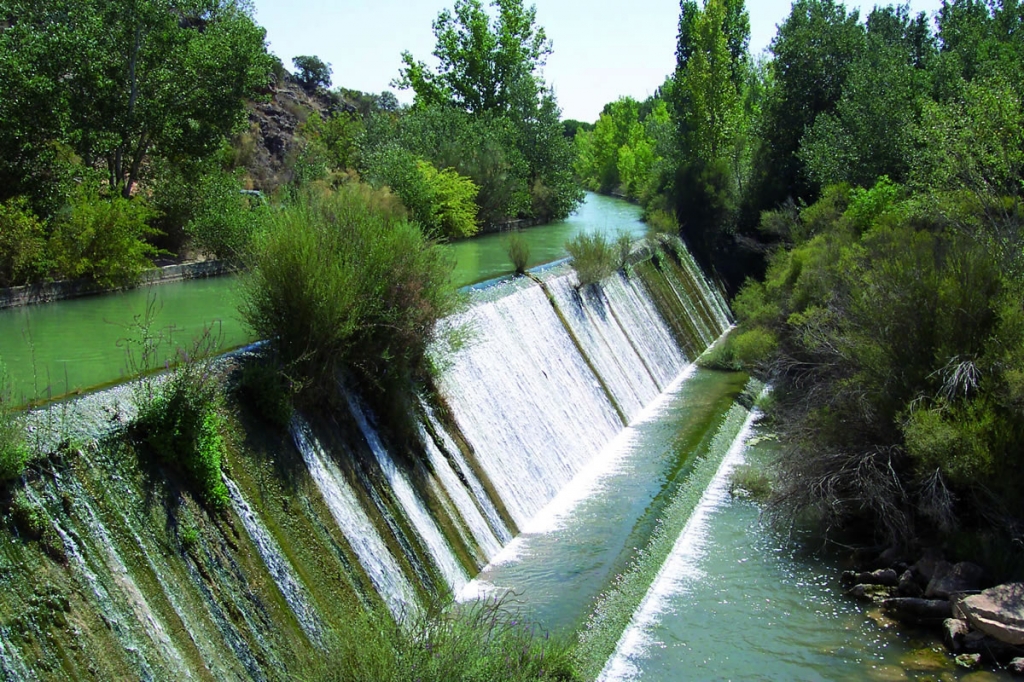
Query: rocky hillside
267, 150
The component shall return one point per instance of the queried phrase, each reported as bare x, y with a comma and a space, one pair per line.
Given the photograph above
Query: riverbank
47, 292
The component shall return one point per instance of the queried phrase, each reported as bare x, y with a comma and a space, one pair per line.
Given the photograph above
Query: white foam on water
678, 573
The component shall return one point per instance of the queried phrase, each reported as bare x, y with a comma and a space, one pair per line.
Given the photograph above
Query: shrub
442, 201
224, 219
179, 422
102, 237
593, 258
266, 390
463, 643
338, 285
518, 252
22, 244
14, 451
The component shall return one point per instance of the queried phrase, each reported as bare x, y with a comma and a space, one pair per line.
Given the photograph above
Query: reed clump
593, 257
14, 452
518, 252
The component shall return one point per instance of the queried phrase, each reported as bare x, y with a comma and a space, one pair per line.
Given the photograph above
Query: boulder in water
918, 611
953, 632
999, 612
1016, 666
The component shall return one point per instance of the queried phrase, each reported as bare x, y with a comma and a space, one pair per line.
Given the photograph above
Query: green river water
81, 344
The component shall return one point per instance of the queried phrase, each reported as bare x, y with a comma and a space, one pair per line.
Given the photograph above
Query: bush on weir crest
593, 257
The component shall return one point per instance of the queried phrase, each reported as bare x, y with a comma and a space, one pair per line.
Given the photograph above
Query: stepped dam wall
110, 571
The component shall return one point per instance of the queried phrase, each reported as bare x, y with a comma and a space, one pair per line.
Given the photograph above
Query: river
68, 347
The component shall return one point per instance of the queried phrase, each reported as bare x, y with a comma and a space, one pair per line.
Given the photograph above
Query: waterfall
480, 497
374, 556
532, 414
277, 564
412, 506
464, 503
526, 401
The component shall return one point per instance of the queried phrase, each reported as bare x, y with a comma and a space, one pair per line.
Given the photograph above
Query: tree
483, 67
869, 133
116, 80
814, 51
489, 76
312, 73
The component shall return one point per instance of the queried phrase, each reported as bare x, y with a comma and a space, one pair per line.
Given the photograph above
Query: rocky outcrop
998, 612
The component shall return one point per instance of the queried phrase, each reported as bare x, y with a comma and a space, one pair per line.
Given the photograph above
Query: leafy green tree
814, 51
490, 70
313, 72
484, 67
121, 79
869, 133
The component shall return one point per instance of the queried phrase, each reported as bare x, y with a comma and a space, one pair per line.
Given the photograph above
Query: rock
908, 585
888, 673
968, 660
948, 579
870, 593
925, 566
998, 611
918, 611
885, 576
891, 556
953, 632
1016, 666
990, 648
879, 618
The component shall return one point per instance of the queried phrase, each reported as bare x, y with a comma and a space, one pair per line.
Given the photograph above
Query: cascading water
412, 506
526, 401
277, 564
539, 394
374, 556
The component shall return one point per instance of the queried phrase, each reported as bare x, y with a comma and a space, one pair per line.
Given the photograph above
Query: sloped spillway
111, 573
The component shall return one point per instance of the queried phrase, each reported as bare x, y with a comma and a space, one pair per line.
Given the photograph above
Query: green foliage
518, 252
487, 113
335, 137
22, 244
312, 72
894, 357
453, 212
120, 80
224, 219
180, 423
267, 390
593, 258
484, 66
473, 642
102, 238
441, 201
14, 453
338, 285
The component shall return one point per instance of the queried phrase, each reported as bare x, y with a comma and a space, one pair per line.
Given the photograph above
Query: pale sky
602, 49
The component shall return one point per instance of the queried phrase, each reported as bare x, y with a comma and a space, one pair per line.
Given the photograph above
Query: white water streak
480, 496
679, 571
374, 556
277, 564
585, 485
412, 506
466, 508
526, 401
131, 596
